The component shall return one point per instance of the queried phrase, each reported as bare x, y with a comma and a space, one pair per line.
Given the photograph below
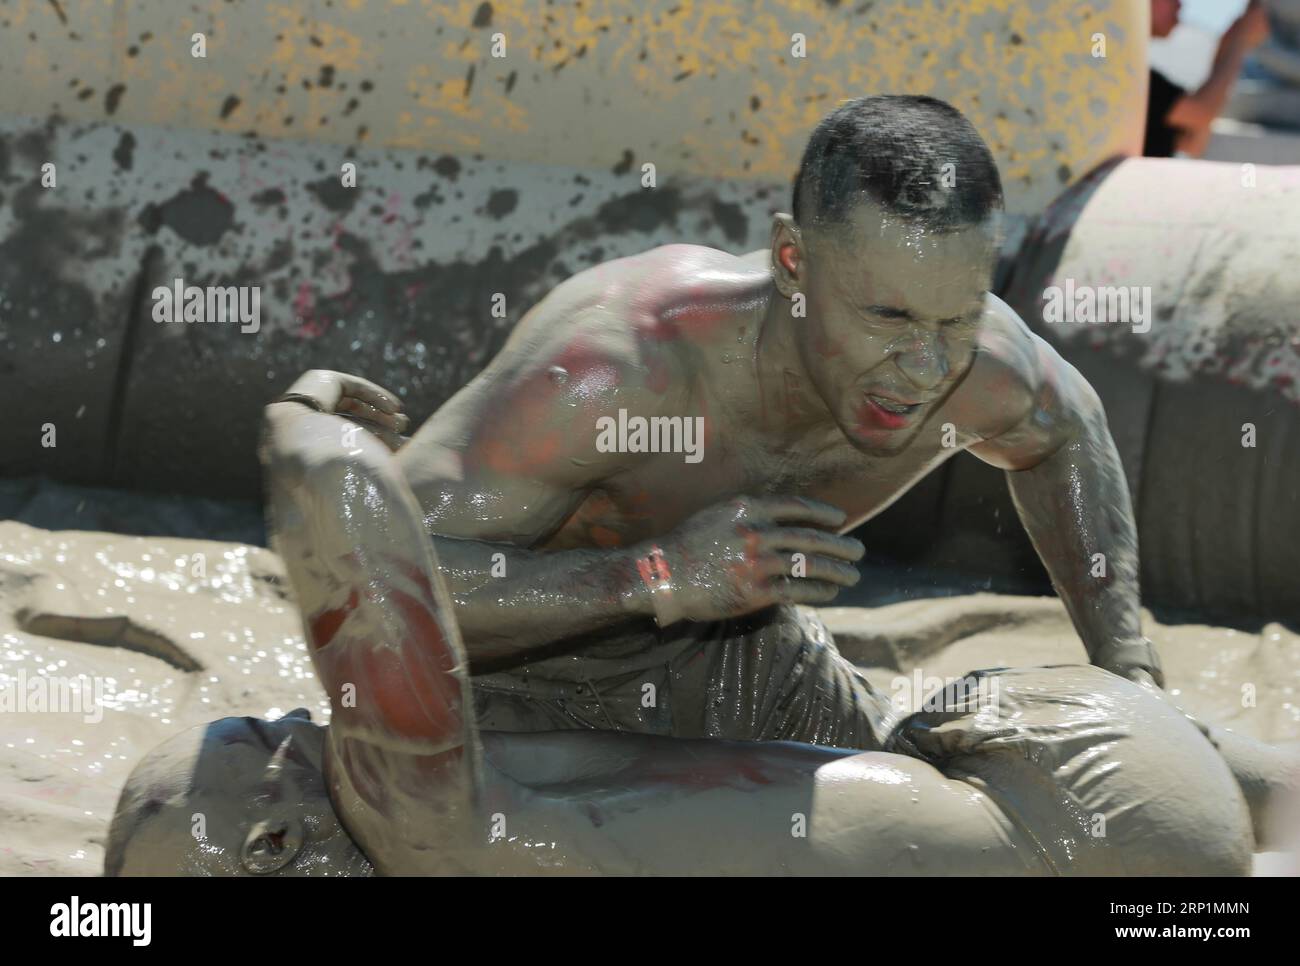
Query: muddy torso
510, 457
741, 455
664, 490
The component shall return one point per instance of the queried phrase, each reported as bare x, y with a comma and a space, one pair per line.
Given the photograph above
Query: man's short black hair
894, 148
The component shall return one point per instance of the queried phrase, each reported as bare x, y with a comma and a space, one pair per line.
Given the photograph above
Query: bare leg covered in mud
1105, 779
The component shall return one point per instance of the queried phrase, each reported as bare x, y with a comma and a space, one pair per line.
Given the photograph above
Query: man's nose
923, 360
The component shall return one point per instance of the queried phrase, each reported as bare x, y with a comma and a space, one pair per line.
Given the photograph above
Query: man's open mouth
892, 406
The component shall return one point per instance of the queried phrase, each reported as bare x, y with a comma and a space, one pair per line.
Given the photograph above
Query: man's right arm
511, 601
506, 462
501, 467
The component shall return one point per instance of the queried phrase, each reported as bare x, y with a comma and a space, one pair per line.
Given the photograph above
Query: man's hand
745, 554
348, 395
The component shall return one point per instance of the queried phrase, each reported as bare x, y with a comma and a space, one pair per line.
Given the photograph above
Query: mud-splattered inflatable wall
476, 175
499, 147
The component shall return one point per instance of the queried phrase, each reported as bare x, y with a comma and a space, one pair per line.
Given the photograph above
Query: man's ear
787, 255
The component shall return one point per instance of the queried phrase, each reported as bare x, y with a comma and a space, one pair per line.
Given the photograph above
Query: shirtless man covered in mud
629, 614
800, 390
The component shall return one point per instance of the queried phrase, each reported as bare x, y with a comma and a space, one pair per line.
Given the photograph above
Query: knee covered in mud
1104, 775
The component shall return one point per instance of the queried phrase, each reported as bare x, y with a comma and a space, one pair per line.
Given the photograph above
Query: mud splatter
271, 196
447, 166
732, 220
114, 97
502, 202
124, 153
198, 214
331, 193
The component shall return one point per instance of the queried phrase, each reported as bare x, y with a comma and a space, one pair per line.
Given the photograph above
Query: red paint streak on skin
660, 330
323, 626
521, 436
589, 519
514, 457
700, 318
405, 685
427, 663
734, 771
743, 570
605, 538
405, 690
416, 575
699, 315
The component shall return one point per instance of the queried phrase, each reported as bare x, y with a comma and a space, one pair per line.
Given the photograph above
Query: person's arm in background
1195, 112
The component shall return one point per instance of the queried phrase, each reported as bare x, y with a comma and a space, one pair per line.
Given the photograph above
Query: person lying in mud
1069, 770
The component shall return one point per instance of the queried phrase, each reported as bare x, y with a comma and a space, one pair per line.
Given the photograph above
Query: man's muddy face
893, 313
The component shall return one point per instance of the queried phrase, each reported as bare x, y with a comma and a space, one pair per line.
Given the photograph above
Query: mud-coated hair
893, 149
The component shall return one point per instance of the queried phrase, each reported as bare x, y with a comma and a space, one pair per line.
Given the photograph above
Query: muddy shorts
774, 675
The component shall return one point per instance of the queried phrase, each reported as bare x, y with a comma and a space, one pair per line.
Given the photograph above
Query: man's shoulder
1019, 380
1006, 374
1006, 348
634, 315
633, 290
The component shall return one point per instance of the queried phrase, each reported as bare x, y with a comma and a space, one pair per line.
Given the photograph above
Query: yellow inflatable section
725, 88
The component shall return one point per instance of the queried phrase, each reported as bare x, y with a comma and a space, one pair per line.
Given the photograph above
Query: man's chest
665, 489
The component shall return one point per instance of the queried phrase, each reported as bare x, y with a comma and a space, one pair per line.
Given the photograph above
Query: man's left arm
1069, 488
